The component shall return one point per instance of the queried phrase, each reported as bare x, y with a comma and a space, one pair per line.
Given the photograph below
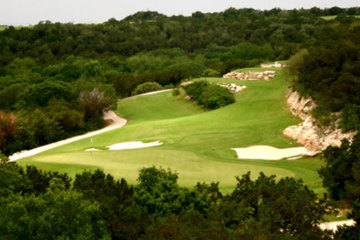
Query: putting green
196, 143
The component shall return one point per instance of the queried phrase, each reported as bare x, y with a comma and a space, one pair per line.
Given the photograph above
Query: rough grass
196, 142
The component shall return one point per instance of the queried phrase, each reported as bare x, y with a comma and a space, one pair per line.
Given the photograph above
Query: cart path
117, 122
333, 226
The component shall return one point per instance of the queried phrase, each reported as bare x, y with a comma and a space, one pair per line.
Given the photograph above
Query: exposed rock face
300, 106
308, 133
266, 75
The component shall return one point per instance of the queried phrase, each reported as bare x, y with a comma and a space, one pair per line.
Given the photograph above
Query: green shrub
208, 95
147, 87
176, 92
215, 96
195, 89
169, 86
350, 118
210, 73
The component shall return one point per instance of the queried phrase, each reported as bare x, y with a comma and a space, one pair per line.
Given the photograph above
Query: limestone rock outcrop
308, 133
266, 75
274, 65
232, 87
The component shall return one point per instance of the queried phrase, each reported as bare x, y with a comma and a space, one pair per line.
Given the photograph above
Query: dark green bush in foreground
209, 95
42, 205
147, 87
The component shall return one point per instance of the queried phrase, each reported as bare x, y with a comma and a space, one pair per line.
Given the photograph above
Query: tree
94, 103
7, 128
341, 174
57, 214
123, 219
10, 95
209, 95
40, 94
188, 225
350, 232
147, 87
68, 118
158, 192
12, 180
92, 69
3, 158
37, 128
285, 208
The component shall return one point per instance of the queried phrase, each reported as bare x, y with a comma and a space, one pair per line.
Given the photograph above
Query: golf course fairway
196, 143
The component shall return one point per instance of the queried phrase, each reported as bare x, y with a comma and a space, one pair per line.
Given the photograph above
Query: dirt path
334, 225
117, 122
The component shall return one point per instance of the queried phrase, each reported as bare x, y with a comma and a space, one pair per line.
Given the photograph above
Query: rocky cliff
308, 133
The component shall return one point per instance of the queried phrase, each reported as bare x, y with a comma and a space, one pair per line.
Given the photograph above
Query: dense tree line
146, 31
46, 205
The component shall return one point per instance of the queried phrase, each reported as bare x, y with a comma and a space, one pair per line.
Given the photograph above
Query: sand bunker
92, 150
133, 145
271, 153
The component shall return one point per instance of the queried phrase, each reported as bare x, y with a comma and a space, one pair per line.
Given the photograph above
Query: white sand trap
92, 150
133, 145
271, 153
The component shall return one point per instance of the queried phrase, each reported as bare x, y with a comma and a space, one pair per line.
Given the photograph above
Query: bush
210, 73
147, 87
208, 95
195, 89
341, 171
215, 97
94, 102
176, 92
350, 118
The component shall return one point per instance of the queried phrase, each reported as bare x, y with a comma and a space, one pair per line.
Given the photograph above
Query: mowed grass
197, 143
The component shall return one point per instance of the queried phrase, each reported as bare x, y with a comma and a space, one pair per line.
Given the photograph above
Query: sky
27, 12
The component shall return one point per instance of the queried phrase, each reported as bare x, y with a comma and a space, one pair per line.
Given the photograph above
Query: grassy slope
196, 143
